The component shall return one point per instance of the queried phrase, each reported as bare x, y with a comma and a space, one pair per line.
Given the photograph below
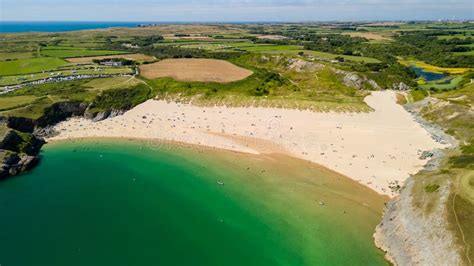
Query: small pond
428, 76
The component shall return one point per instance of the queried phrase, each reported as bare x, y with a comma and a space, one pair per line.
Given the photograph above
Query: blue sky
234, 10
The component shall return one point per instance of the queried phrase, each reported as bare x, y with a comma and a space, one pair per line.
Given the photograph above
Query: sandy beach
378, 149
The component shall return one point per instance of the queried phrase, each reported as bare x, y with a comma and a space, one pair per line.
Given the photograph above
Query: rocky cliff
18, 151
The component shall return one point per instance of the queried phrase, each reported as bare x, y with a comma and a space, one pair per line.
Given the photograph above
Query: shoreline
397, 235
379, 149
182, 146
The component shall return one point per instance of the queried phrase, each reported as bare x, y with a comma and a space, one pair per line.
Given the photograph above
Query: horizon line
248, 21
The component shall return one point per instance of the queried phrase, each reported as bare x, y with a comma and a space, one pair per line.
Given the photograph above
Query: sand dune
376, 149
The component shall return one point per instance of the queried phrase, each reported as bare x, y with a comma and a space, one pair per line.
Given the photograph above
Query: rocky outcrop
19, 123
102, 115
410, 236
300, 65
356, 81
18, 150
60, 111
415, 228
13, 164
21, 142
400, 86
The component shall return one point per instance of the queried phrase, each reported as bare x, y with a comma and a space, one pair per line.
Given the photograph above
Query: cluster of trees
147, 40
271, 80
120, 99
333, 43
427, 47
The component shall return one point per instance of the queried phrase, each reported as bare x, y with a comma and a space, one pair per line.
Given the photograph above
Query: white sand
374, 148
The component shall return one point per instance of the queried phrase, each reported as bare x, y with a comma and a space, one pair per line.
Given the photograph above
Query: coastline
405, 227
378, 149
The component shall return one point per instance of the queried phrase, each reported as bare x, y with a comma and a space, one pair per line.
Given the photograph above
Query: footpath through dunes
202, 70
379, 149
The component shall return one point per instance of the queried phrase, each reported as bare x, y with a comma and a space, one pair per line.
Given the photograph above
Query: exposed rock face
19, 123
60, 111
18, 150
10, 141
356, 81
400, 86
411, 237
353, 80
13, 164
103, 115
302, 65
46, 132
28, 144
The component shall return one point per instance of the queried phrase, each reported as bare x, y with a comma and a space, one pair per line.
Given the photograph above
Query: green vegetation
15, 55
272, 84
453, 111
120, 99
300, 66
28, 66
111, 83
7, 103
431, 188
65, 52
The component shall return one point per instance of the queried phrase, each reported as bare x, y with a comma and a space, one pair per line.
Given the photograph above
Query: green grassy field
15, 101
15, 55
65, 52
112, 83
31, 65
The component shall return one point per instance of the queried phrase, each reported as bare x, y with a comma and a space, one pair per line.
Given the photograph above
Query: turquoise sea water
58, 26
116, 203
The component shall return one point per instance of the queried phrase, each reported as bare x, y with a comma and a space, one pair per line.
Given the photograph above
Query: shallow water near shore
118, 202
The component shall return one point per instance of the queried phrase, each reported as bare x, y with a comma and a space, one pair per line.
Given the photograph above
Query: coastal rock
4, 171
9, 158
408, 233
18, 152
10, 141
26, 163
19, 123
60, 111
46, 132
103, 115
411, 236
12, 164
